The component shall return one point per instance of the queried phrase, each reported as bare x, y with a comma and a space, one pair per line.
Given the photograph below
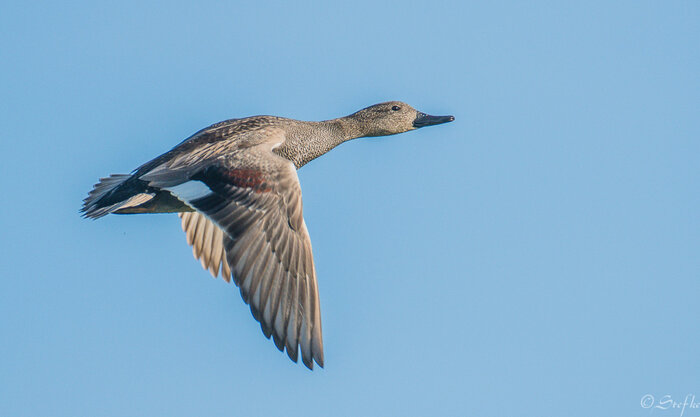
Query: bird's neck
307, 141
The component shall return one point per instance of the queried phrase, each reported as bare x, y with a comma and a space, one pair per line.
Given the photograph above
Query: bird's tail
112, 194
127, 194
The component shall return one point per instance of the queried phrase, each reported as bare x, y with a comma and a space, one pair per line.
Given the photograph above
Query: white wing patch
190, 190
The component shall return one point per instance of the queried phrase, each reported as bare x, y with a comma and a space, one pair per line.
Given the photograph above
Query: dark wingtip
267, 331
308, 362
293, 354
257, 315
278, 341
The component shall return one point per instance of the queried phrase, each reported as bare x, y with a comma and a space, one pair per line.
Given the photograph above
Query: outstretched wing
254, 197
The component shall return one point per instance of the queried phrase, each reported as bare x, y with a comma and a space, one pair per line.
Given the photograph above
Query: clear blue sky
538, 256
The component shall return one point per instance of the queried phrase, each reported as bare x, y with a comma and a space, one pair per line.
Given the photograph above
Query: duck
235, 188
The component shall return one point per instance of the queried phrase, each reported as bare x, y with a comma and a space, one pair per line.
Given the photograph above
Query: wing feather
191, 223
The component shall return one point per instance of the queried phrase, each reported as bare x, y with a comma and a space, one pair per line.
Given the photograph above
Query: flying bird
235, 187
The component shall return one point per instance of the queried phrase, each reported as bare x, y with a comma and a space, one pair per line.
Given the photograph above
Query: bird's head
394, 117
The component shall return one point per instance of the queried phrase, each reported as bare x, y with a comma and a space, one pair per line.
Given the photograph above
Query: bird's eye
396, 108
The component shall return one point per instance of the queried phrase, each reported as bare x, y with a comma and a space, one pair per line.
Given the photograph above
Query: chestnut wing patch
216, 176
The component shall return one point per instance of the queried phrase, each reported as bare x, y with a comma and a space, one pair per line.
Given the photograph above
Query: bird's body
234, 184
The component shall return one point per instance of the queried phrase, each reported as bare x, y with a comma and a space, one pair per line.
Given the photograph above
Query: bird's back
114, 194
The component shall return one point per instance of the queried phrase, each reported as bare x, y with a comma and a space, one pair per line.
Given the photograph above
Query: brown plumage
235, 187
